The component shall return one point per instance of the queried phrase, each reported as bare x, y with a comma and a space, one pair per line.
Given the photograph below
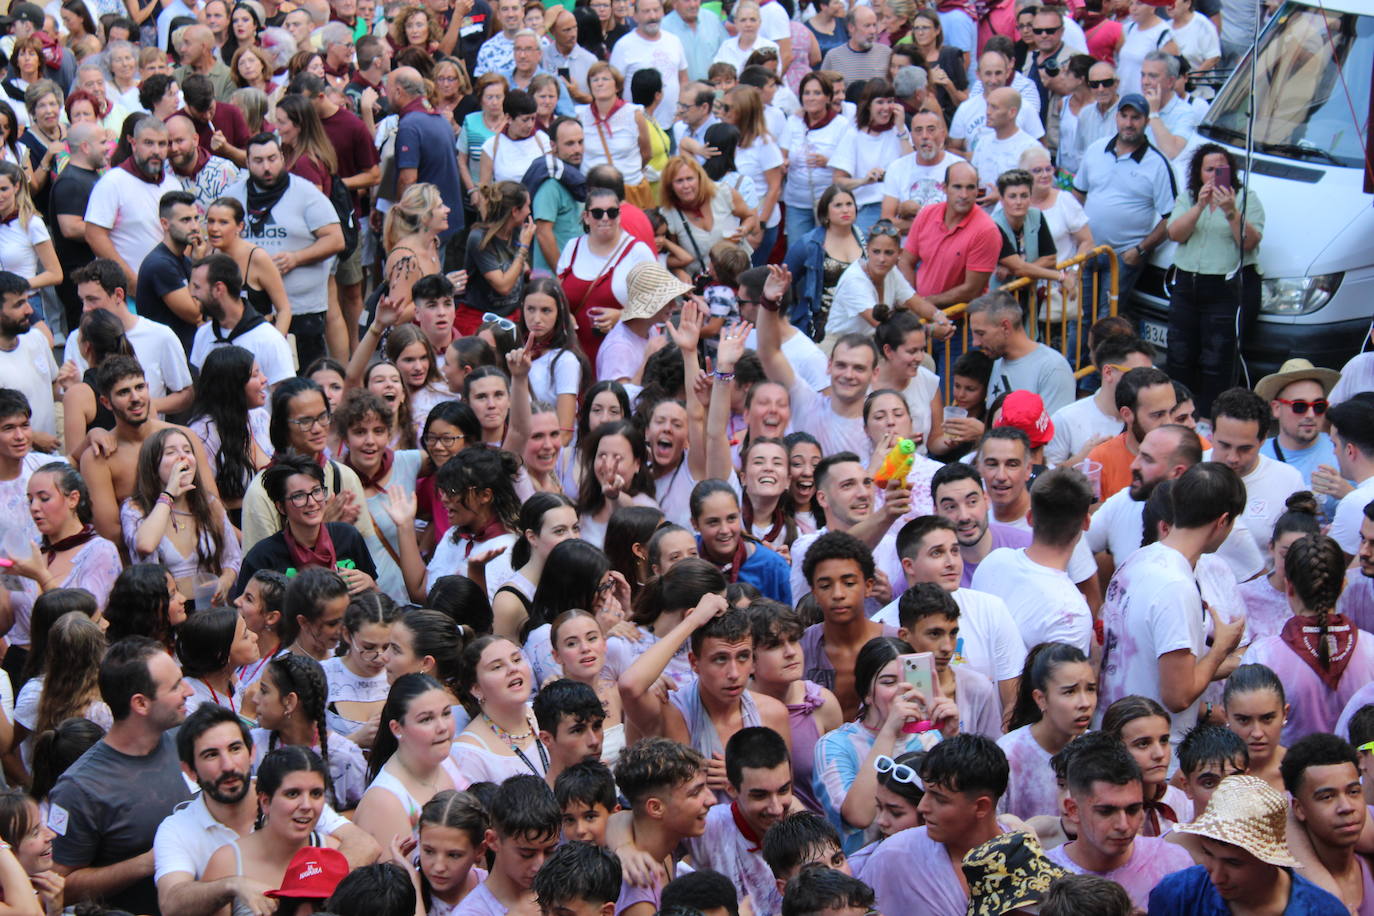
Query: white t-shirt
17, 243
1075, 424
1267, 488
158, 350
588, 265
1081, 564
972, 116
264, 341
1118, 527
908, 179
752, 162
1136, 43
30, 369
621, 354
1152, 607
773, 22
814, 413
555, 372
1197, 41
1345, 526
989, 642
993, 156
127, 207
291, 226
515, 155
1044, 602
731, 53
614, 141
860, 152
808, 360
856, 294
805, 182
665, 54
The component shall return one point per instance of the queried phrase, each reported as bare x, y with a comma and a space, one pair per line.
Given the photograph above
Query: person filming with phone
1215, 219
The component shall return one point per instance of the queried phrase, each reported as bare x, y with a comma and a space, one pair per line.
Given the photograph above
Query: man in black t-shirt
67, 210
163, 277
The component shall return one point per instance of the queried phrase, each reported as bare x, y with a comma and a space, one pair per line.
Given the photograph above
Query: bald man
955, 244
565, 57
195, 45
997, 148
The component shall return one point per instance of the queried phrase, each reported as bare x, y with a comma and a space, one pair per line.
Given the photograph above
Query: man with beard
105, 810
200, 173
26, 361
1297, 396
957, 491
67, 211
163, 275
217, 287
1321, 773
1144, 401
299, 228
861, 57
649, 47
110, 470
1087, 423
556, 209
1116, 533
122, 221
996, 324
918, 178
216, 751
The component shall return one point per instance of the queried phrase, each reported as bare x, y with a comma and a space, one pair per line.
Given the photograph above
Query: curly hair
1315, 566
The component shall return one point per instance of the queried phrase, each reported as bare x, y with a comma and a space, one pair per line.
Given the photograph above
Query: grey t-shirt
1043, 371
291, 226
107, 807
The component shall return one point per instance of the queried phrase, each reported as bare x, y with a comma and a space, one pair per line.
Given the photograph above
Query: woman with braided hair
1320, 656
291, 711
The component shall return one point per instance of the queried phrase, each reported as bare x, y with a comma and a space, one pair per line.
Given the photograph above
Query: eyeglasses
304, 423
604, 212
300, 498
1047, 31
1102, 84
366, 651
885, 227
1300, 407
900, 772
450, 441
504, 324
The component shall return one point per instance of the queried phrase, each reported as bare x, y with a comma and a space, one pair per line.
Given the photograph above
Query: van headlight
1297, 295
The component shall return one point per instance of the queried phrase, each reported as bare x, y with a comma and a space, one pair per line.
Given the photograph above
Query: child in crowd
586, 794
578, 878
570, 719
727, 262
1206, 756
450, 840
523, 833
801, 841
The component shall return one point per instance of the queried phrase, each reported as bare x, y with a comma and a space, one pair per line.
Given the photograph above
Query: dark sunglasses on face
1046, 31
1102, 84
1300, 407
604, 213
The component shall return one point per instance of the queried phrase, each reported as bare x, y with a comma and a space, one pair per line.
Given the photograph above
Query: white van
1311, 133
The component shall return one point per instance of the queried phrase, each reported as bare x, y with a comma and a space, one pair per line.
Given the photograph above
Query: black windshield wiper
1218, 132
1298, 151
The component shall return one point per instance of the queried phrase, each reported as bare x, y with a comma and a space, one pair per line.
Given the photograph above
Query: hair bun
1302, 501
882, 312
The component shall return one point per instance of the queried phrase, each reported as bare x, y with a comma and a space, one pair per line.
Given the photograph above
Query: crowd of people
513, 457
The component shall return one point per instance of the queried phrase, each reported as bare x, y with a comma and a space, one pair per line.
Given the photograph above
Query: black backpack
342, 199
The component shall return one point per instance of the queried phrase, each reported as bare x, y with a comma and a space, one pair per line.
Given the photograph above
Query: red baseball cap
313, 874
1025, 411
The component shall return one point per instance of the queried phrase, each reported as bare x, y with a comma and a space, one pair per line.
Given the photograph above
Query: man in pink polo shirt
955, 244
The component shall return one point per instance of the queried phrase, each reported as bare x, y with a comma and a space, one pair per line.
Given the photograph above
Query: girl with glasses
357, 679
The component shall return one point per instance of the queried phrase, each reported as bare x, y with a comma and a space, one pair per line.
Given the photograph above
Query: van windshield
1312, 94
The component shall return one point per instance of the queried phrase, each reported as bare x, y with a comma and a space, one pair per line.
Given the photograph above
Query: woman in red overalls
593, 269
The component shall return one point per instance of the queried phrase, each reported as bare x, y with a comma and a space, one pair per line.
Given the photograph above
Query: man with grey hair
861, 57
911, 86
122, 221
90, 76
918, 178
995, 322
1173, 122
528, 64
424, 152
1098, 120
650, 47
195, 46
336, 40
694, 117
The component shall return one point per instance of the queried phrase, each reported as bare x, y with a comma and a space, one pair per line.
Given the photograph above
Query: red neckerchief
826, 119
535, 348
128, 166
891, 123
745, 830
50, 549
373, 480
1300, 635
413, 105
322, 554
1153, 812
596, 116
732, 568
493, 528
747, 516
202, 157
6, 220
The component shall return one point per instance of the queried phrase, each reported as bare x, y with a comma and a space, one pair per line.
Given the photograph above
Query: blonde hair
748, 104
23, 200
496, 202
408, 216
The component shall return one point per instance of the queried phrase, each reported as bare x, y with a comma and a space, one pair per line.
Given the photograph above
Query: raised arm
643, 706
729, 349
770, 327
687, 334
518, 431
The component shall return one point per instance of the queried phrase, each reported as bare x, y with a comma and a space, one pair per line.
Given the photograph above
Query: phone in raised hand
918, 670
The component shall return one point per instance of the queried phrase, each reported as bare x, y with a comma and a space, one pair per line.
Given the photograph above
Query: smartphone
918, 670
1221, 178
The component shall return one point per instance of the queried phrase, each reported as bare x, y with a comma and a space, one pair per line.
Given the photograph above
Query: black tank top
256, 299
104, 418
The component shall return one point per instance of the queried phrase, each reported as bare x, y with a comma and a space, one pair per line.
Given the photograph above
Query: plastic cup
1093, 471
955, 413
205, 592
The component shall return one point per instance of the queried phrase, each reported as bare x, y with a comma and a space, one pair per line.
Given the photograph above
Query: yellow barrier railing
1070, 308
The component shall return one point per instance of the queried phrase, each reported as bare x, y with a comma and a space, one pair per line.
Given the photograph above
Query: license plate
1155, 333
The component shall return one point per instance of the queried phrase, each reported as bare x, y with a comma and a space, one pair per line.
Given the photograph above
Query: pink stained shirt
1151, 859
1032, 789
1313, 707
944, 255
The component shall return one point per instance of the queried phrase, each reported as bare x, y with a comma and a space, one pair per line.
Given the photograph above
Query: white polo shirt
1127, 194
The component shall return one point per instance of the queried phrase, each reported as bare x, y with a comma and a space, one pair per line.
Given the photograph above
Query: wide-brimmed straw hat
1006, 873
1246, 811
1296, 370
650, 288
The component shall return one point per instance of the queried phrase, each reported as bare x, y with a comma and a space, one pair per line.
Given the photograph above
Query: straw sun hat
649, 289
1246, 811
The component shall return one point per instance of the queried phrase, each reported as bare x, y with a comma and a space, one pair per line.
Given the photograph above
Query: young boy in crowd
827, 892
929, 618
1206, 756
585, 793
703, 891
523, 833
579, 879
759, 770
570, 719
722, 76
727, 262
800, 841
665, 783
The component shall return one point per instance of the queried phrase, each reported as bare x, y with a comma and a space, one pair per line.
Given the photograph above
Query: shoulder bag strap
687, 230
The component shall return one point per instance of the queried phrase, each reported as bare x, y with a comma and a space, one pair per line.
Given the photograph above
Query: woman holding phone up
1218, 224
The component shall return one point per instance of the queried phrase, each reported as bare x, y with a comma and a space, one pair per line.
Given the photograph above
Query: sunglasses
885, 227
1047, 31
504, 324
1300, 407
1102, 84
604, 212
900, 771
